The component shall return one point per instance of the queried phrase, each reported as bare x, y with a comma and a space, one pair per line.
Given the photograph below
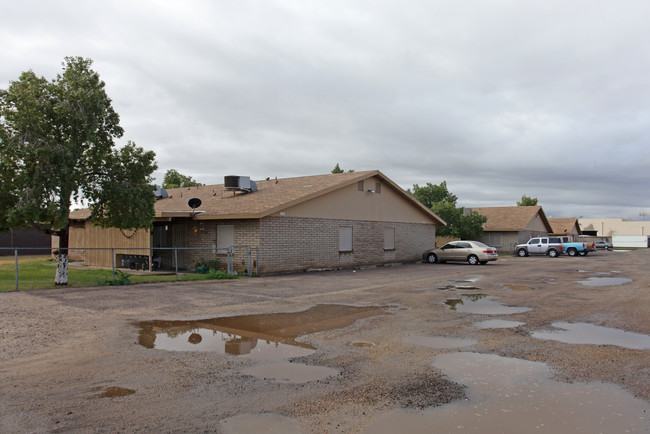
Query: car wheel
552, 253
572, 252
432, 258
472, 259
584, 253
522, 252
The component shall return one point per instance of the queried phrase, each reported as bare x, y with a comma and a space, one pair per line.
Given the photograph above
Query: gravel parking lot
81, 360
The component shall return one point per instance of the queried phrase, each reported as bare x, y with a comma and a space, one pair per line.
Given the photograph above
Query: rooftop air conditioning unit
160, 193
241, 183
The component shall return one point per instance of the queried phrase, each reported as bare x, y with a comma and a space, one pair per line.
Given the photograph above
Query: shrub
121, 278
220, 274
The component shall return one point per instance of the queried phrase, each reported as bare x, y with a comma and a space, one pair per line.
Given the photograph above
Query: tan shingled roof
510, 218
270, 197
563, 226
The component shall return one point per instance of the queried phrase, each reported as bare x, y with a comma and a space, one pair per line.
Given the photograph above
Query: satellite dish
194, 203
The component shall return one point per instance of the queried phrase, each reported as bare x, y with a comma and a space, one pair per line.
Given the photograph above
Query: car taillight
490, 252
561, 247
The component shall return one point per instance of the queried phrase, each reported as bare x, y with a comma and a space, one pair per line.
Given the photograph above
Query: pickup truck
574, 249
551, 246
577, 248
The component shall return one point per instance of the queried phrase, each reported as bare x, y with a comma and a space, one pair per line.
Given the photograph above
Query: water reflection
265, 336
518, 396
498, 324
482, 304
604, 281
584, 333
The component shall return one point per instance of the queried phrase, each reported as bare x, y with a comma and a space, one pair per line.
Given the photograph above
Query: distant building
508, 226
608, 227
567, 227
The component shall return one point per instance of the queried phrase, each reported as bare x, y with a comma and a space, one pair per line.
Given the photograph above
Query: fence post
113, 262
176, 261
16, 264
229, 260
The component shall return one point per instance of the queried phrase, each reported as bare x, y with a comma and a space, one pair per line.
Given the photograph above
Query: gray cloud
501, 98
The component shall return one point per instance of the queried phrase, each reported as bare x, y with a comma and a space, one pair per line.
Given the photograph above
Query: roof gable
511, 218
272, 196
563, 226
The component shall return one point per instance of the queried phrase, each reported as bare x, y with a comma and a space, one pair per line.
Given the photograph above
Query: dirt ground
70, 360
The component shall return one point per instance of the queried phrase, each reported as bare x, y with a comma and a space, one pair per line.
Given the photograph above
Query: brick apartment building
311, 222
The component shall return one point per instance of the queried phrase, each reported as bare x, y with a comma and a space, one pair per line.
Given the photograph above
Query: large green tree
57, 147
460, 224
174, 179
430, 194
527, 201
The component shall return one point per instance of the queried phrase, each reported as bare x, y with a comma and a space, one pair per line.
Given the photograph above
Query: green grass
38, 272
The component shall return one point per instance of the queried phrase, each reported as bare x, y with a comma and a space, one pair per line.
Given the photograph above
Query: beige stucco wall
615, 226
350, 203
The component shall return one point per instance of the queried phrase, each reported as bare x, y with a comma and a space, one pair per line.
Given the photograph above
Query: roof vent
239, 183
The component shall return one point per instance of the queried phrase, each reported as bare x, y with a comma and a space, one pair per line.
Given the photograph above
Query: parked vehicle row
475, 252
554, 247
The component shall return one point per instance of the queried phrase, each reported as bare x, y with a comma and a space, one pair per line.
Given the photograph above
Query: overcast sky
550, 99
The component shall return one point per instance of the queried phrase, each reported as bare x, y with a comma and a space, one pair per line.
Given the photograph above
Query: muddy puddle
290, 372
263, 336
115, 392
604, 281
439, 342
463, 284
259, 423
584, 333
498, 324
518, 396
482, 304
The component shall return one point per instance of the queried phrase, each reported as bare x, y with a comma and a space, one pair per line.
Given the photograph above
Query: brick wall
292, 244
202, 235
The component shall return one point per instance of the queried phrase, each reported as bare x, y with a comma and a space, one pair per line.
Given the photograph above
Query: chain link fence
28, 268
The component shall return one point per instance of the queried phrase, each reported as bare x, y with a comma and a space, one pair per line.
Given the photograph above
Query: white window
389, 238
225, 236
345, 239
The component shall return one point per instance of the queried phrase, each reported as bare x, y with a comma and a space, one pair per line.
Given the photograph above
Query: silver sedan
473, 252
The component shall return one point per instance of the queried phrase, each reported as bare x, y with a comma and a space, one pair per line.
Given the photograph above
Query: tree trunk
62, 259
